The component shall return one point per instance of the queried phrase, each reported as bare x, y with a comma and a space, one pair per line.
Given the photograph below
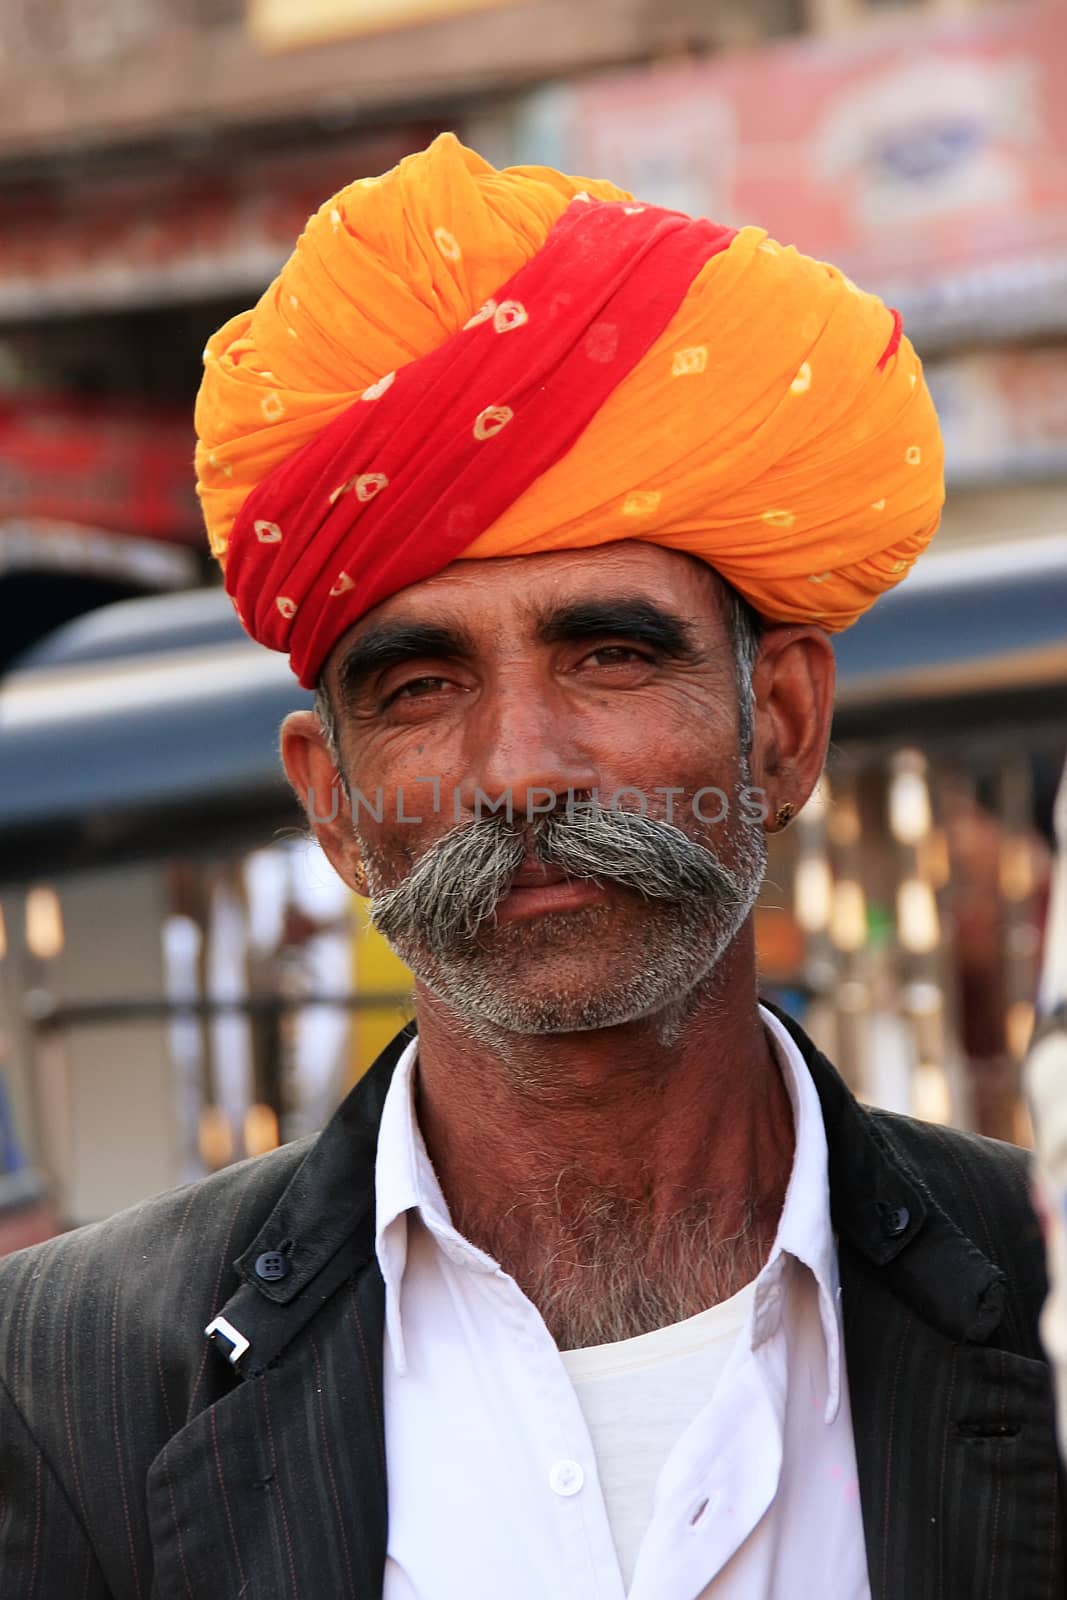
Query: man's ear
317, 784
793, 689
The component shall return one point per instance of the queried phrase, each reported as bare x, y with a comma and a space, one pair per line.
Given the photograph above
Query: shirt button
566, 1477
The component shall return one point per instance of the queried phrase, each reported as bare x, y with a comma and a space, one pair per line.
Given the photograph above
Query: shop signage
904, 155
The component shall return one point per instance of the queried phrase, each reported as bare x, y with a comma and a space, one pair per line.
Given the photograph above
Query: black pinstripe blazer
138, 1462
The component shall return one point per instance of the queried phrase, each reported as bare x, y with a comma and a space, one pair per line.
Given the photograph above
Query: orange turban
772, 421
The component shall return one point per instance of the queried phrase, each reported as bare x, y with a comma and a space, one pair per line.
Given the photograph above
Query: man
601, 1282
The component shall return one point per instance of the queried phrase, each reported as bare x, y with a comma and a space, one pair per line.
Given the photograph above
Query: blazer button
271, 1266
895, 1221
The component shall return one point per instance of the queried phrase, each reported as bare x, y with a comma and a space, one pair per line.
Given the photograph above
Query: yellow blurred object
375, 970
44, 923
930, 1097
1016, 868
909, 799
933, 858
813, 893
848, 916
291, 24
260, 1130
918, 924
215, 1138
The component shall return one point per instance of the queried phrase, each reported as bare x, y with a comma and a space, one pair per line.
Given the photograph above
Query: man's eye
415, 688
616, 655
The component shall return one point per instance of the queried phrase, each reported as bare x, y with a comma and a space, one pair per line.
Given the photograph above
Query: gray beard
441, 920
598, 1271
677, 953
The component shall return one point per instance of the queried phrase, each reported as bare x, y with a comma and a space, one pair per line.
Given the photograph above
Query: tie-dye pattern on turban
460, 362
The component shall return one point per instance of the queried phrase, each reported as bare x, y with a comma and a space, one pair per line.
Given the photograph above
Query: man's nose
525, 755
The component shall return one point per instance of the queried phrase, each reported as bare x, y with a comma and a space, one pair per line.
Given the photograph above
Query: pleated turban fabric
459, 362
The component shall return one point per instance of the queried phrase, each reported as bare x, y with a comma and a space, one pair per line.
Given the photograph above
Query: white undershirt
509, 1474
638, 1397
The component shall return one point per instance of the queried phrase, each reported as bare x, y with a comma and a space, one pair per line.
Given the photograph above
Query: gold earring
784, 815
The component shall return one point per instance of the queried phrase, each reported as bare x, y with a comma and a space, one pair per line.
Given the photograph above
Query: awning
973, 641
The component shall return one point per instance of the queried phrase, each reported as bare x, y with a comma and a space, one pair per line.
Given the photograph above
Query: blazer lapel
278, 1490
956, 1466
958, 1494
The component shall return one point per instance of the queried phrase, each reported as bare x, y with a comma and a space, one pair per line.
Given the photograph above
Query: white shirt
507, 1477
638, 1396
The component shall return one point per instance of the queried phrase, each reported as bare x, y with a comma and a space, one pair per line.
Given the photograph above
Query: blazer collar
323, 1224
332, 1192
882, 1207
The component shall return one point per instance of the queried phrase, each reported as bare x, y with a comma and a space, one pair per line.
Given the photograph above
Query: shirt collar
405, 1181
805, 1230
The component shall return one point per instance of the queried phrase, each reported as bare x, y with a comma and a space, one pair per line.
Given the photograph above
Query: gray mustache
452, 892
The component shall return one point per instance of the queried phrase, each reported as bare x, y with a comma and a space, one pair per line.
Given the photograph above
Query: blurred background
183, 982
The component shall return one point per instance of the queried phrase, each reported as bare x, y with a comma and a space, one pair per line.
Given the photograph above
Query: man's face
535, 685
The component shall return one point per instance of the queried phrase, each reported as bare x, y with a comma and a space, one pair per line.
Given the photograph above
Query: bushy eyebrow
393, 643
620, 617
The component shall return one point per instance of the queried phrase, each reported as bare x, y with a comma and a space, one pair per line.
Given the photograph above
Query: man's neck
621, 1183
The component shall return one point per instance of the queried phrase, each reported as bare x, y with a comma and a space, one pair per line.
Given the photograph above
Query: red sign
104, 465
899, 154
